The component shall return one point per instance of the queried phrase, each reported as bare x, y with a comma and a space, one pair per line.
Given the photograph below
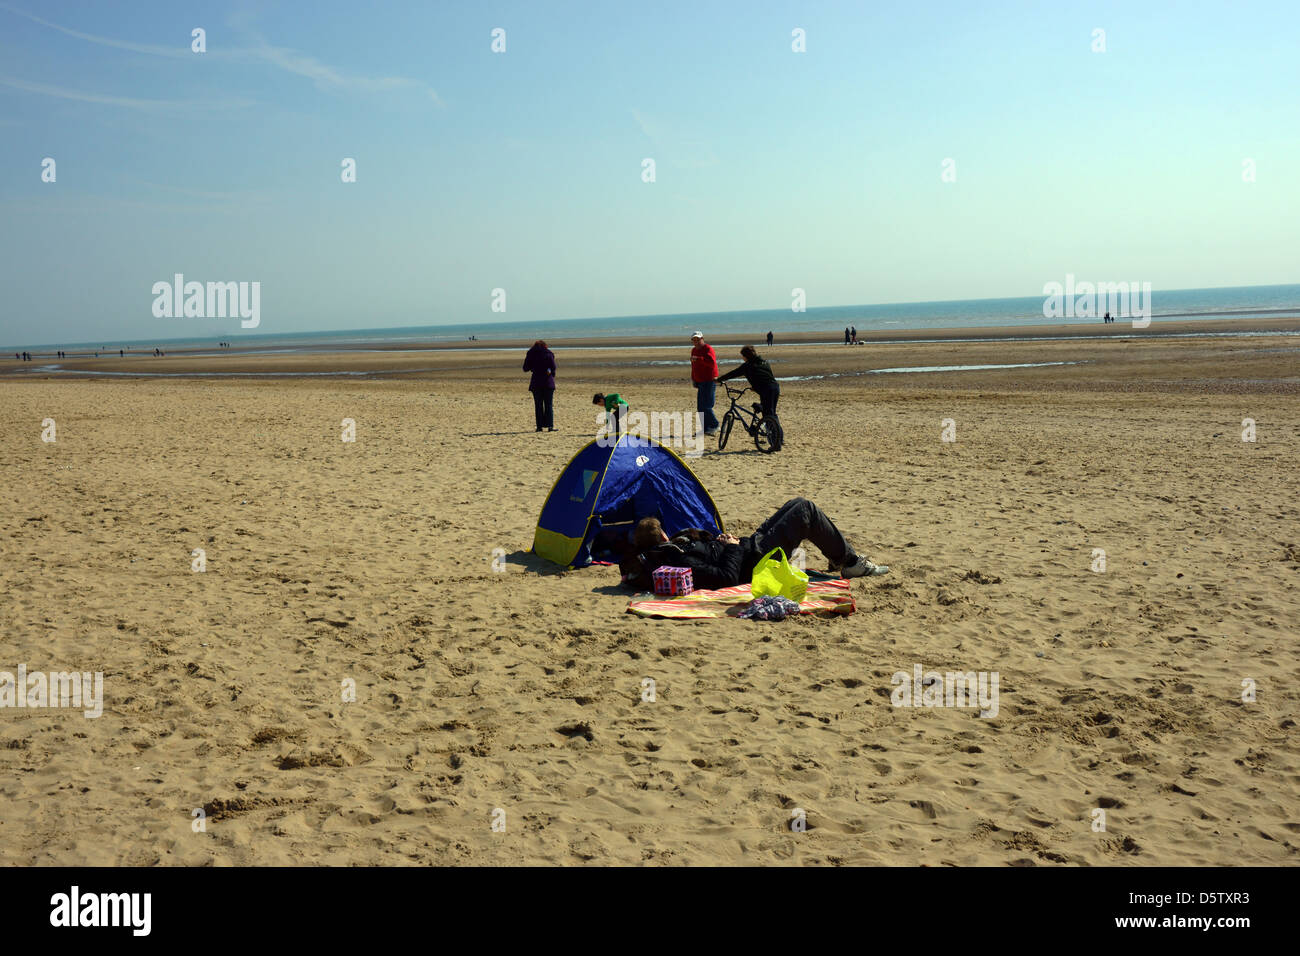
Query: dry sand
372, 562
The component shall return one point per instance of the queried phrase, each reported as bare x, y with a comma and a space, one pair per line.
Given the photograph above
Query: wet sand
1168, 356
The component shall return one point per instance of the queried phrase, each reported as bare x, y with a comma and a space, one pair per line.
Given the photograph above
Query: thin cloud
680, 151
45, 89
149, 48
283, 58
324, 76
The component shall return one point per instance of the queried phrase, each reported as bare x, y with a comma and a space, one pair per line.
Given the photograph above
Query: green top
612, 401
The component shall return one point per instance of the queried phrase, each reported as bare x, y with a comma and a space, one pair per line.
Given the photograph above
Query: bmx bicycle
767, 434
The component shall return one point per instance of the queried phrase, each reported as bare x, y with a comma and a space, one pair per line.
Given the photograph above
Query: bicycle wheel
725, 431
777, 434
765, 438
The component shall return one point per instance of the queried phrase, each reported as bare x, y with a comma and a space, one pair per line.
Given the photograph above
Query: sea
787, 326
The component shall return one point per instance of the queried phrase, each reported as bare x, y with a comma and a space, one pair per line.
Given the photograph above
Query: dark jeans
796, 521
705, 394
545, 413
767, 397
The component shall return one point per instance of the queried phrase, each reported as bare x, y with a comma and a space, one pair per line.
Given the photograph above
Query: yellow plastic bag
775, 575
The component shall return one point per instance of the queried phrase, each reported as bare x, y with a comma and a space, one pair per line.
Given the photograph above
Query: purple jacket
541, 362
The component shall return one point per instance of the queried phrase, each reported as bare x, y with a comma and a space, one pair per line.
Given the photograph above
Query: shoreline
1244, 362
1286, 321
410, 359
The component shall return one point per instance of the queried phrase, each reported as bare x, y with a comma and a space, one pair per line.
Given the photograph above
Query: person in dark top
720, 561
846, 335
770, 339
541, 362
761, 380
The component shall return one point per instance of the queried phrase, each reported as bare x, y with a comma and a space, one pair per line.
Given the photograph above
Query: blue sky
522, 170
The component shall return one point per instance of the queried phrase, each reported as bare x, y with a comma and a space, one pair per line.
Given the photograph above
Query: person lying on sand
720, 561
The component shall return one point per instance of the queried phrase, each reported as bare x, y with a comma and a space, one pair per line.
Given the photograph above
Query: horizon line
248, 334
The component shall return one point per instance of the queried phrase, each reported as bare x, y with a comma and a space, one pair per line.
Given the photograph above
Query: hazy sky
522, 170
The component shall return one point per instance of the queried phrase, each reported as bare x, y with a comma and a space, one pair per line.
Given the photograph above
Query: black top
713, 564
756, 370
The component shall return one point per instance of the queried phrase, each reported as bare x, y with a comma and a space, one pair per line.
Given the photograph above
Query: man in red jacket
704, 373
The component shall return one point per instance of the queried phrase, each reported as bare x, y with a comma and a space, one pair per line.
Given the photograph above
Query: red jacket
704, 363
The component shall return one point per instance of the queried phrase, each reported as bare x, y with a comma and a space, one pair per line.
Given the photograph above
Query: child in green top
615, 406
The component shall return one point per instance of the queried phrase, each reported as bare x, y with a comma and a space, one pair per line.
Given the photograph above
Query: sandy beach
519, 689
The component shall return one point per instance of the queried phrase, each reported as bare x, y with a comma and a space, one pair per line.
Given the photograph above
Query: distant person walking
846, 335
770, 339
759, 375
541, 362
853, 330
704, 374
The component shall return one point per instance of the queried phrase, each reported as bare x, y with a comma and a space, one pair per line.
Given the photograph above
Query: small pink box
672, 582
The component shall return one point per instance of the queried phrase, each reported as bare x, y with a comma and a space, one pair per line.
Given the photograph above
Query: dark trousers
545, 413
767, 398
796, 521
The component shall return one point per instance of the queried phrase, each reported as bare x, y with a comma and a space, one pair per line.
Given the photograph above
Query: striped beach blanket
823, 597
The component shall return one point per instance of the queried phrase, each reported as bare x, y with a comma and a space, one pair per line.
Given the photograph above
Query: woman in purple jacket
541, 362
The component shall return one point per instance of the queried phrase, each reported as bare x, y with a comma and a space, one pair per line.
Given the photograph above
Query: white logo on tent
641, 460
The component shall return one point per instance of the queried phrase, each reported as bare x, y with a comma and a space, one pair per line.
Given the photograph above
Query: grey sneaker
862, 568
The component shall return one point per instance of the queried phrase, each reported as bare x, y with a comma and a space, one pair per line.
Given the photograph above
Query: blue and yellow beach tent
606, 486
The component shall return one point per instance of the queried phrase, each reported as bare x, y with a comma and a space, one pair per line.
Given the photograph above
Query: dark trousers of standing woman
767, 397
543, 408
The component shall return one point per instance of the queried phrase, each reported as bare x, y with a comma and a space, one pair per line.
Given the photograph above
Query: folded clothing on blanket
769, 607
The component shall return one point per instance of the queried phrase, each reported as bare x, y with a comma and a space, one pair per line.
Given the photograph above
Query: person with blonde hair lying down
723, 560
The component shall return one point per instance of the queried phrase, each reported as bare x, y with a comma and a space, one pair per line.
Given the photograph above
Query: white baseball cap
697, 335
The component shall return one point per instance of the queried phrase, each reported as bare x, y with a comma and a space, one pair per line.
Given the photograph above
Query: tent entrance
612, 540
